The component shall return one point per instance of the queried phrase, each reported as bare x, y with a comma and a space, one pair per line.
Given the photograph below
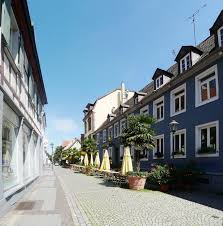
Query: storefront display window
9, 155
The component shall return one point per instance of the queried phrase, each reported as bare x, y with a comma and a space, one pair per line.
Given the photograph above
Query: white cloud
64, 125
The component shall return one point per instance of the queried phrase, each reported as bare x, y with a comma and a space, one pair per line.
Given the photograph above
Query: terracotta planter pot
164, 187
136, 183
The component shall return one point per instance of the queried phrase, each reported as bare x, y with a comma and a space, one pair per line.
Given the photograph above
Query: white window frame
121, 121
185, 60
158, 80
110, 152
98, 138
198, 138
219, 36
116, 135
178, 132
110, 129
155, 108
161, 136
198, 101
143, 109
104, 135
121, 152
172, 100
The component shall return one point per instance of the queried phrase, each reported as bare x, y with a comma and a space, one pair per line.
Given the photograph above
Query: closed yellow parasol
105, 165
86, 162
97, 160
127, 162
91, 161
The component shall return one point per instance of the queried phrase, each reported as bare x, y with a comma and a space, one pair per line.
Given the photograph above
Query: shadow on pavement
208, 199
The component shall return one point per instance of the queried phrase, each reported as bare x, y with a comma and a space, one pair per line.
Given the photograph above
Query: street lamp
173, 128
52, 145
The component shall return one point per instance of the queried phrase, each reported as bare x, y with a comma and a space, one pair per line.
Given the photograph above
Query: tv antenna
193, 21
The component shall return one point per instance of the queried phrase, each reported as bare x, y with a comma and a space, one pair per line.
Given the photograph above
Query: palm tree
140, 134
72, 155
89, 146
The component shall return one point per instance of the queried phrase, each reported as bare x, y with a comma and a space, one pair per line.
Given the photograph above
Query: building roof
159, 72
217, 24
186, 49
205, 48
71, 143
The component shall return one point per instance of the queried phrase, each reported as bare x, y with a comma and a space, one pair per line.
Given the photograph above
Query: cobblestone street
67, 199
94, 203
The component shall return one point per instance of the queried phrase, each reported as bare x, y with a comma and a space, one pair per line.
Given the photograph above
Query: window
207, 139
122, 125
158, 152
178, 100
178, 144
158, 109
136, 100
89, 123
143, 155
110, 152
110, 132
144, 110
98, 138
207, 86
9, 148
116, 130
121, 151
185, 63
220, 36
104, 136
159, 82
85, 127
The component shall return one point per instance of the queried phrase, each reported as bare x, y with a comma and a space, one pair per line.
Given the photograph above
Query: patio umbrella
86, 160
82, 159
97, 160
105, 165
127, 162
91, 161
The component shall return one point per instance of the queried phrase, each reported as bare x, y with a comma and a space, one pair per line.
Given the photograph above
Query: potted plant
207, 150
179, 152
88, 170
161, 176
138, 133
137, 180
159, 154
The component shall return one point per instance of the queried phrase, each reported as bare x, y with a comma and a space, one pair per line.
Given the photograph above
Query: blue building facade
189, 92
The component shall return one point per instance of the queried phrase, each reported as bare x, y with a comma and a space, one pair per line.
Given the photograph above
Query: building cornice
196, 69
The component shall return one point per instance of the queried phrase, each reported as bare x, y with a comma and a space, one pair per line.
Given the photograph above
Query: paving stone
108, 205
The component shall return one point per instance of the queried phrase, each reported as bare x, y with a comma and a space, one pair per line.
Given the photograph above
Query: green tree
89, 146
72, 155
57, 154
140, 134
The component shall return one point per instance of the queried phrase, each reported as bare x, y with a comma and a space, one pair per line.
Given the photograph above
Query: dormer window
161, 77
185, 63
123, 108
187, 57
220, 36
136, 100
159, 82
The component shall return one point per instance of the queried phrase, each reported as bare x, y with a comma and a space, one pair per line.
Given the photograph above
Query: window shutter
6, 20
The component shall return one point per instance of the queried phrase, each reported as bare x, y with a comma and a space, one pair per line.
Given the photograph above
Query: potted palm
138, 133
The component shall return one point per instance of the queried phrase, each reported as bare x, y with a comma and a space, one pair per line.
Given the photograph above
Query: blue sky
87, 47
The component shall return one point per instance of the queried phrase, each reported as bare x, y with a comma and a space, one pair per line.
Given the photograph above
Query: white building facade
96, 114
22, 100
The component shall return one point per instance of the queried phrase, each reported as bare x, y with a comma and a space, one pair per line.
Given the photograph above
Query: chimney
123, 93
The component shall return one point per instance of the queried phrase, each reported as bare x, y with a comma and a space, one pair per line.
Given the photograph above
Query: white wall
104, 106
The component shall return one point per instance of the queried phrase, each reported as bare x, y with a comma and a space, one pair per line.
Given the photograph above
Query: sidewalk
43, 205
